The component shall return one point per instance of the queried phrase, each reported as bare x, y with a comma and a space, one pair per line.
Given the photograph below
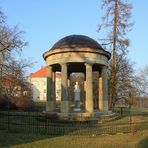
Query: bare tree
117, 23
124, 78
141, 82
13, 76
11, 39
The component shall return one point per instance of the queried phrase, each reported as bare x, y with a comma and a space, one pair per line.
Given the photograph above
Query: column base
105, 106
64, 106
77, 109
89, 107
100, 106
50, 106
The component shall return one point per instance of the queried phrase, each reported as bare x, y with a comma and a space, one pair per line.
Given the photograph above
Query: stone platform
80, 116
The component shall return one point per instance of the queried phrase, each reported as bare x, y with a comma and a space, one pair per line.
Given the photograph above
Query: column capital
90, 64
63, 64
49, 71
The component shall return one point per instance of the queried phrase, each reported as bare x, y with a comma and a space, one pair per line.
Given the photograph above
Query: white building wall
39, 86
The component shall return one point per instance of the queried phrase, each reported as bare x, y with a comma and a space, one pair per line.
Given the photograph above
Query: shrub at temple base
5, 103
22, 103
16, 103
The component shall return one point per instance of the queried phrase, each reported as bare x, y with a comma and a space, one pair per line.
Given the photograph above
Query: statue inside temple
77, 97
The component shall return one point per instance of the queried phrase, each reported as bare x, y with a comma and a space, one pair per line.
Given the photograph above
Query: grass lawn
17, 140
32, 122
90, 137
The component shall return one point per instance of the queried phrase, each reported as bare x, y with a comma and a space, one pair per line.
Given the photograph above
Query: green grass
16, 140
134, 109
22, 122
77, 135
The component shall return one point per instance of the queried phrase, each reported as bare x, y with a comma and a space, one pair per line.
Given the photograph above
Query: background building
38, 82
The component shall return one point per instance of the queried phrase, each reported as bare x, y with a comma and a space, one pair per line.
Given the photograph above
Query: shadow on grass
43, 124
143, 143
13, 139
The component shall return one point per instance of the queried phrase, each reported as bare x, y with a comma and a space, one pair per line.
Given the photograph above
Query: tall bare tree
117, 23
11, 39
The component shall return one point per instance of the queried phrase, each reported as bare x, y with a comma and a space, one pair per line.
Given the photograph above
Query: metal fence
39, 123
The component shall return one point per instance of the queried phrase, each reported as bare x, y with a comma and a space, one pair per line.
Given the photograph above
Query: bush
22, 103
15, 103
6, 103
3, 102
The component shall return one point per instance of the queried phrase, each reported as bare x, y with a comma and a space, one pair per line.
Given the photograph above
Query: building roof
43, 72
76, 41
40, 73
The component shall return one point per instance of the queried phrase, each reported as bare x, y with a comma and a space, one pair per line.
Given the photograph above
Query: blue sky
47, 21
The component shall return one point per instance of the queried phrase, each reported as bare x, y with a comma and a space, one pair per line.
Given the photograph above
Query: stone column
69, 93
103, 90
89, 89
50, 104
64, 89
84, 85
54, 89
98, 105
100, 93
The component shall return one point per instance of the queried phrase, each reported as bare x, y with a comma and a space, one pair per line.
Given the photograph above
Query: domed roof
76, 41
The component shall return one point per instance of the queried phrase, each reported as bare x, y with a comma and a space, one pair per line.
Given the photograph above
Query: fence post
130, 106
8, 123
8, 113
130, 119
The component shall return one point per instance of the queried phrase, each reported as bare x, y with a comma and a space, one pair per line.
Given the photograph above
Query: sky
47, 21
